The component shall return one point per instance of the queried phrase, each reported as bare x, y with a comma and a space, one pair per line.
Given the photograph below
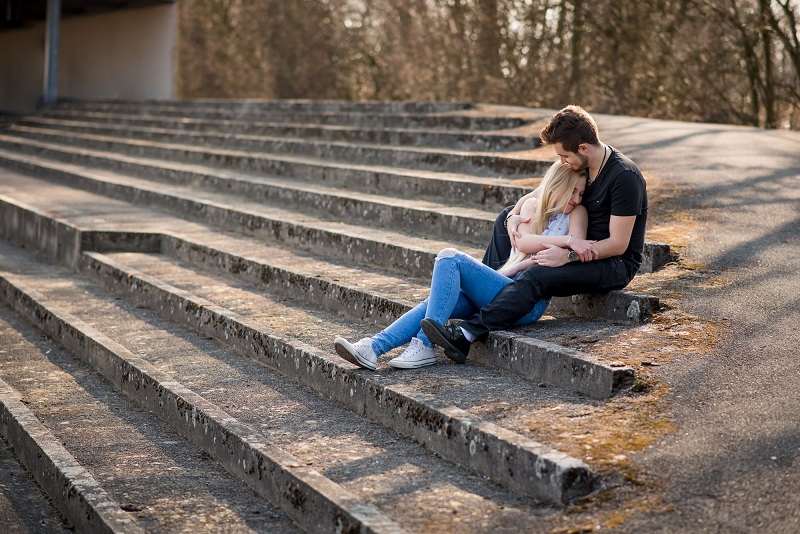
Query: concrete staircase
176, 272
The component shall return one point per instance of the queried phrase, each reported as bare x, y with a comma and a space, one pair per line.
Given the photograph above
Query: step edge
72, 489
345, 383
134, 375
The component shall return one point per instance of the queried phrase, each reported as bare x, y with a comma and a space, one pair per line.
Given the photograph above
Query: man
616, 201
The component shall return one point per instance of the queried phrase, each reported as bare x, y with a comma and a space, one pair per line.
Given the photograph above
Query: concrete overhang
22, 13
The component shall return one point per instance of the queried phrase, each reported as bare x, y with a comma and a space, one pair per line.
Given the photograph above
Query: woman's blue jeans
460, 286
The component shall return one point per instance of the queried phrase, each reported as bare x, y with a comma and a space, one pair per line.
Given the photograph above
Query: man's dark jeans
499, 248
518, 298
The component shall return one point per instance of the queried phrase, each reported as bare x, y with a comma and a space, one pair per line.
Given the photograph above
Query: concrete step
109, 465
619, 305
24, 506
404, 402
459, 120
418, 218
82, 501
452, 224
311, 500
377, 247
456, 140
333, 198
534, 360
253, 393
202, 147
274, 105
366, 295
491, 194
207, 285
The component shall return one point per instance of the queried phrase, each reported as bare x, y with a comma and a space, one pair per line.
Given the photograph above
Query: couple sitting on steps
581, 231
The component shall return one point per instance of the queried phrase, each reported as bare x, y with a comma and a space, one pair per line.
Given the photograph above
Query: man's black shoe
449, 337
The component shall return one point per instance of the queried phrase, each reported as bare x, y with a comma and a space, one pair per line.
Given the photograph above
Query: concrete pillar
50, 90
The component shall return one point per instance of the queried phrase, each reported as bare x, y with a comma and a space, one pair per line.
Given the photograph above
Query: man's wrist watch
573, 256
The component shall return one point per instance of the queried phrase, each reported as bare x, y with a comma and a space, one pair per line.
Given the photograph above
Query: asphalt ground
733, 462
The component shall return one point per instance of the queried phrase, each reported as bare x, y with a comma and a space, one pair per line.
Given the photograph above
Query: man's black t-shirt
619, 190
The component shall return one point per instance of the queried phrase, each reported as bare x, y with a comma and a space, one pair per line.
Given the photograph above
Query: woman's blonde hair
553, 197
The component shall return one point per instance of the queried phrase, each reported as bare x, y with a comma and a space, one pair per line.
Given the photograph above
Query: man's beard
584, 163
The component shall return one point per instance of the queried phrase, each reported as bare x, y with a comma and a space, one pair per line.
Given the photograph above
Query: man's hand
512, 223
585, 249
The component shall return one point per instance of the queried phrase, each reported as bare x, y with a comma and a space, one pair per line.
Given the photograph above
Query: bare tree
708, 60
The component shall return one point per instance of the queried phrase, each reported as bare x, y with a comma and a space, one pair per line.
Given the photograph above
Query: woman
460, 284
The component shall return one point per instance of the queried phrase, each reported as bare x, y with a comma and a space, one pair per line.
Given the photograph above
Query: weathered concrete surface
24, 506
428, 121
505, 457
447, 188
464, 140
580, 373
182, 146
414, 487
311, 500
620, 306
557, 367
346, 242
163, 483
248, 106
435, 220
551, 364
73, 490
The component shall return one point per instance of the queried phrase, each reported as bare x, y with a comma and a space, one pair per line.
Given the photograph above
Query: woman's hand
552, 256
512, 271
512, 223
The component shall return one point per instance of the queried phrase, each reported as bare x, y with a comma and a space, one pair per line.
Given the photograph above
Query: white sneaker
416, 355
359, 353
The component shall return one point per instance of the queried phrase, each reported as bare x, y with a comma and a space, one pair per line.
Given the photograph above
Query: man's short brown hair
571, 126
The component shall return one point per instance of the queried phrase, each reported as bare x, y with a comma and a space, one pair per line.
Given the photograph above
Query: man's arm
620, 230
